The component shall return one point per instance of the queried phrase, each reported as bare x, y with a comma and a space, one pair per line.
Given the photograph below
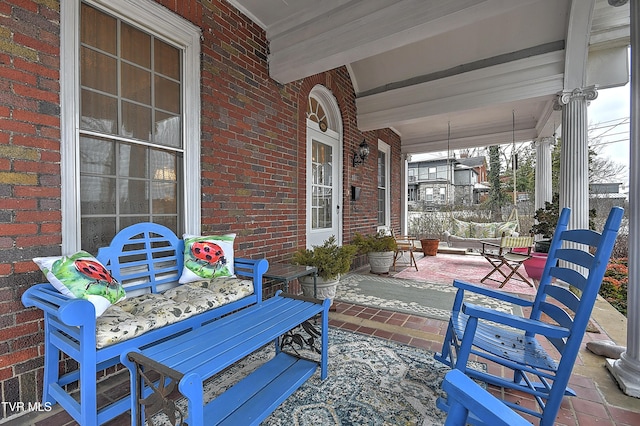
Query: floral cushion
137, 315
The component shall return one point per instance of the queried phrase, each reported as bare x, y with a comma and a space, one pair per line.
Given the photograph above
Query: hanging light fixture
361, 155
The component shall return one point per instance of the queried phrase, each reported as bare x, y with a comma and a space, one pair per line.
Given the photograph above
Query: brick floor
598, 402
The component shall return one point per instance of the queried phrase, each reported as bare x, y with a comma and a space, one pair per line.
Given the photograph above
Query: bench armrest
72, 312
531, 326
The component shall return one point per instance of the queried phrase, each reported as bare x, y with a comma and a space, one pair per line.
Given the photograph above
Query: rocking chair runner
519, 343
503, 256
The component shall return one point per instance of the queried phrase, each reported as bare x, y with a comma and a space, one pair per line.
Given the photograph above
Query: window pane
96, 233
98, 71
165, 198
134, 196
167, 59
168, 130
136, 46
136, 121
98, 195
136, 84
99, 113
98, 29
132, 161
167, 95
163, 165
97, 156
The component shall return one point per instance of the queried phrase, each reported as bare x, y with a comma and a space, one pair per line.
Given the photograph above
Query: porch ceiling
419, 65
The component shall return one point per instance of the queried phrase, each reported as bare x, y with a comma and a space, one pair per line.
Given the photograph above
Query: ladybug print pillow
207, 257
82, 276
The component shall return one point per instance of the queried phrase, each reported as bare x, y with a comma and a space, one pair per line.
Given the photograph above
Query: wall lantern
362, 154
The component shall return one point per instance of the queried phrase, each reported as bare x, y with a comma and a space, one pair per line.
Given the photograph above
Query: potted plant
429, 226
379, 248
331, 260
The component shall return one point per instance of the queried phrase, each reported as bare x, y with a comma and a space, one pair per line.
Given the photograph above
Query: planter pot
380, 261
430, 246
325, 289
535, 265
542, 246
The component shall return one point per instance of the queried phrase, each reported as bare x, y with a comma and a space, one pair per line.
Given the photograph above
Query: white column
543, 189
626, 370
574, 157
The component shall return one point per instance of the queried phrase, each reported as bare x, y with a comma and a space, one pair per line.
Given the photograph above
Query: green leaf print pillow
82, 276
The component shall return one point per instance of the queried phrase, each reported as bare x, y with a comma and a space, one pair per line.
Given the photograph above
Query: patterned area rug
371, 382
409, 296
443, 268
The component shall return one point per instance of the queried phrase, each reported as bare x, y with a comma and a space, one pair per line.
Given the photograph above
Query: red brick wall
253, 158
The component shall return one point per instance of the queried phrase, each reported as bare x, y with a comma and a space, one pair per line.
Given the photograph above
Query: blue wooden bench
192, 358
146, 258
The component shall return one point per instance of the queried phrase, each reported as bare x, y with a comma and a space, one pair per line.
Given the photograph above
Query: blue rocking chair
559, 317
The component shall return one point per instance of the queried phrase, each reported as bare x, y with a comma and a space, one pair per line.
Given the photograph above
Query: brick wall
253, 158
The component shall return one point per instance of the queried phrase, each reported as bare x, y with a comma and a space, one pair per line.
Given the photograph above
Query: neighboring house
446, 181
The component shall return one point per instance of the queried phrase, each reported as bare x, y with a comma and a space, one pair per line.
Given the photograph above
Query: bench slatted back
145, 257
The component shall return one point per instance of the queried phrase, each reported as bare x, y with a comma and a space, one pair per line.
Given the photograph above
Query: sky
608, 117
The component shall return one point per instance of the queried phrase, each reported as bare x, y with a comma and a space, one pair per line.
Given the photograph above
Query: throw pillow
207, 257
82, 276
508, 228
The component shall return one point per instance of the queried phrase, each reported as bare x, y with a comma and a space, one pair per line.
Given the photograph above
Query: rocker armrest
466, 397
525, 324
495, 294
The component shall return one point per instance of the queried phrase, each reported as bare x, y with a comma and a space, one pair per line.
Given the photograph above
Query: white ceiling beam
520, 80
422, 145
577, 45
362, 28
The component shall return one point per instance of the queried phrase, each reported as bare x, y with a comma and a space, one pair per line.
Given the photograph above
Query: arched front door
324, 166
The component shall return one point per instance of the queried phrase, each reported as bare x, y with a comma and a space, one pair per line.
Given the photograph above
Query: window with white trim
134, 156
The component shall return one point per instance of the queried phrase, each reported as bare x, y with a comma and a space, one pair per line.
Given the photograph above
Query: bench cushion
137, 315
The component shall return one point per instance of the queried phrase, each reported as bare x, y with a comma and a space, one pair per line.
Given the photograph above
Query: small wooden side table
285, 273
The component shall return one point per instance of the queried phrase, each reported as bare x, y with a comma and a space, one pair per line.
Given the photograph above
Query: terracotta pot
535, 265
430, 246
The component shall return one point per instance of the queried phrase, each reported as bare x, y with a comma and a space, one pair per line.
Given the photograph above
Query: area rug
414, 297
443, 268
371, 382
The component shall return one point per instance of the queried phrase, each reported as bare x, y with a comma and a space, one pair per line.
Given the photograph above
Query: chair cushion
137, 315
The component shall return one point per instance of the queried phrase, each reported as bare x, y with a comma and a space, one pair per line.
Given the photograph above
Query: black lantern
362, 154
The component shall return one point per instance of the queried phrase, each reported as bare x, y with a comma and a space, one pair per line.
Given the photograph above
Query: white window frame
386, 148
153, 18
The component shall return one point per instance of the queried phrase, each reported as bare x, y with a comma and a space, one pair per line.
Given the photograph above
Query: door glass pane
322, 192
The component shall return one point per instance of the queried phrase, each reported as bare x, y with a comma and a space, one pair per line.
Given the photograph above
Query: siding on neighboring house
252, 159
